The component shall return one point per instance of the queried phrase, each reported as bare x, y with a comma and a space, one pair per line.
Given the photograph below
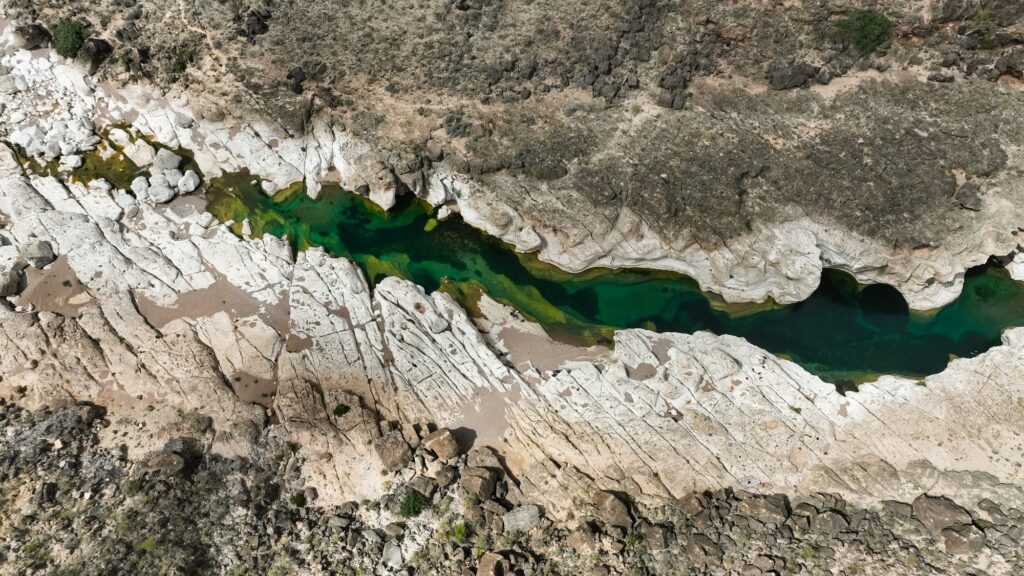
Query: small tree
68, 38
865, 29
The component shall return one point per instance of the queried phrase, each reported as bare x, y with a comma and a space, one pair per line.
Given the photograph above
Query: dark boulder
962, 539
611, 509
788, 74
393, 451
252, 23
33, 36
938, 512
93, 54
967, 197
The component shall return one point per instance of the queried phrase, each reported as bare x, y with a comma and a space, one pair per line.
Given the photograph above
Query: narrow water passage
845, 332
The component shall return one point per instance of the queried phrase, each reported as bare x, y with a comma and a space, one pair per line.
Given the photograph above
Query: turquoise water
844, 332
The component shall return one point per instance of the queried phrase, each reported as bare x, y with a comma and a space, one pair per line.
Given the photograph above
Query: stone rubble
78, 506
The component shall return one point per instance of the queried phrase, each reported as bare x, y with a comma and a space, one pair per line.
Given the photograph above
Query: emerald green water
844, 332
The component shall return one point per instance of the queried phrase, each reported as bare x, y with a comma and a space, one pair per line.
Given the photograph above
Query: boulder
521, 519
173, 175
424, 485
140, 187
392, 556
938, 512
655, 536
968, 197
166, 160
442, 443
7, 85
788, 74
189, 182
445, 475
393, 451
1011, 63
11, 266
160, 191
611, 509
962, 539
491, 564
70, 162
37, 254
161, 194
46, 494
830, 522
485, 457
94, 52
165, 462
583, 539
479, 482
766, 509
33, 36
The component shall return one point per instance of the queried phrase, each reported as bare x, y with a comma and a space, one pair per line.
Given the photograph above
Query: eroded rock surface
743, 145
187, 333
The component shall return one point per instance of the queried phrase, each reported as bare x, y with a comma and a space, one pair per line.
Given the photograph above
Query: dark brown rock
393, 451
479, 482
491, 564
938, 512
962, 539
442, 443
611, 509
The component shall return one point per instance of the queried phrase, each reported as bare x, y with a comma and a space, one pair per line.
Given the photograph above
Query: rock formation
229, 365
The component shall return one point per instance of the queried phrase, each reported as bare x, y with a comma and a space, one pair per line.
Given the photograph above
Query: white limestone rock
160, 191
140, 187
172, 176
166, 160
189, 182
11, 266
7, 85
140, 152
70, 162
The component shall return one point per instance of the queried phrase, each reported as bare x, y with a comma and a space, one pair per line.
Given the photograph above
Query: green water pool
845, 332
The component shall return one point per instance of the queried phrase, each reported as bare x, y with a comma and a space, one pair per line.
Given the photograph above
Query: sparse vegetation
865, 29
68, 38
298, 500
459, 533
340, 410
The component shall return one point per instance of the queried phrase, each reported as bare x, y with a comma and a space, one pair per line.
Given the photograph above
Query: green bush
340, 410
458, 533
183, 58
865, 29
299, 500
986, 27
412, 505
68, 38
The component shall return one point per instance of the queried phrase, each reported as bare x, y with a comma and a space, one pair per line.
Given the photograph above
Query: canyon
179, 352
